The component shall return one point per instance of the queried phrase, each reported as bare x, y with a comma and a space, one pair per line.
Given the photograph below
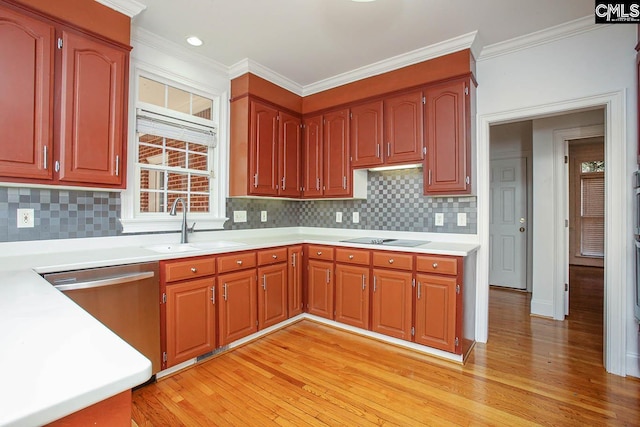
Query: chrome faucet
184, 230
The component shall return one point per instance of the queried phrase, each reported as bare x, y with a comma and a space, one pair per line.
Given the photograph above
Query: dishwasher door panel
126, 299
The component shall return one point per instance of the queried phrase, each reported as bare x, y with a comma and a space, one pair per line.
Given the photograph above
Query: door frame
617, 271
561, 190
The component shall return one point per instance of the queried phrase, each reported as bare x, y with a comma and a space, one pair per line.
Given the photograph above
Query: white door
508, 227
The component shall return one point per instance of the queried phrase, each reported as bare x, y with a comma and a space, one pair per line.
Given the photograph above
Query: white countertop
57, 359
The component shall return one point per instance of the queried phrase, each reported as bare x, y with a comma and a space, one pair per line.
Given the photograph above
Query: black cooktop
386, 242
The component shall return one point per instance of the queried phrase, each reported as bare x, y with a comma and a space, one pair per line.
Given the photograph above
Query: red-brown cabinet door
436, 311
237, 305
92, 116
404, 136
352, 295
263, 154
290, 162
272, 295
392, 303
190, 317
447, 117
366, 135
26, 100
337, 173
312, 181
320, 288
294, 278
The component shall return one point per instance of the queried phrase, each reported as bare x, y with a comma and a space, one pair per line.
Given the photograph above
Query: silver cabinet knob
319, 253
239, 262
350, 256
274, 256
194, 270
390, 260
435, 265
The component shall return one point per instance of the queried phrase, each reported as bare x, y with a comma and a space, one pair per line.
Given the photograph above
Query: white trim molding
250, 66
617, 251
130, 8
547, 35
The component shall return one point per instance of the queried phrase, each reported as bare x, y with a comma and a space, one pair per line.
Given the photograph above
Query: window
592, 211
175, 155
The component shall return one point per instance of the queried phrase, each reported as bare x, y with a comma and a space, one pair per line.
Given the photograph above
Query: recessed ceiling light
194, 41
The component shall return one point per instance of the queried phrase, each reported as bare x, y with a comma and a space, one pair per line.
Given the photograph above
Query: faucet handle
190, 229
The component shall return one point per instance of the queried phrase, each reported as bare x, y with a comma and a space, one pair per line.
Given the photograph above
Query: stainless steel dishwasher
124, 298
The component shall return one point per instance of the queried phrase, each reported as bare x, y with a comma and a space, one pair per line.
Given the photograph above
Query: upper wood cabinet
337, 172
26, 107
266, 160
403, 128
263, 146
313, 178
67, 123
448, 128
366, 135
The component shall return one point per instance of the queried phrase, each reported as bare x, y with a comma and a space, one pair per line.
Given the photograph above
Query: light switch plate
239, 216
462, 219
25, 218
338, 216
356, 217
439, 220
263, 216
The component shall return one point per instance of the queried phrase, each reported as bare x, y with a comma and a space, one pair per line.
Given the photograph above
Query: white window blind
167, 127
592, 215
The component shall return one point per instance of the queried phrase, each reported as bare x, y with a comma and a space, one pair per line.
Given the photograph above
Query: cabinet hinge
467, 180
458, 289
413, 331
60, 42
257, 323
164, 356
457, 342
413, 282
424, 100
350, 115
424, 150
164, 298
466, 90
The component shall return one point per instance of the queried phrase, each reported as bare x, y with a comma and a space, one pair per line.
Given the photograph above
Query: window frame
131, 219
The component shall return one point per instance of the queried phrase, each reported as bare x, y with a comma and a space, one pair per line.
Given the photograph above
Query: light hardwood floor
533, 371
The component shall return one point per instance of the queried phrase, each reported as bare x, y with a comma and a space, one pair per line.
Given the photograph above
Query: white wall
584, 70
542, 300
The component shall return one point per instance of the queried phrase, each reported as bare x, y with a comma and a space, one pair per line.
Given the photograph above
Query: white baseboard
633, 365
542, 308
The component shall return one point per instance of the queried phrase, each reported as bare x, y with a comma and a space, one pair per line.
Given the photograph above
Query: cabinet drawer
437, 264
393, 260
235, 262
321, 252
353, 256
272, 256
189, 269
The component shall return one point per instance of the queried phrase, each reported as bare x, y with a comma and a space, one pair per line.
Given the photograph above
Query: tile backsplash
395, 202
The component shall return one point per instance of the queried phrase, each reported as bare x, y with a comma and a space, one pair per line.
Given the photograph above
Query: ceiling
308, 41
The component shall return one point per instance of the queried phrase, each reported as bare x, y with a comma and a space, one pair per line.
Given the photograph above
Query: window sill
149, 225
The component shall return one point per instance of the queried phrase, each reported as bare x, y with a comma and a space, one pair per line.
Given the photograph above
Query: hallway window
592, 209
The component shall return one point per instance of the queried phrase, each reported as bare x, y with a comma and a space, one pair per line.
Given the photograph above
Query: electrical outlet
338, 216
25, 218
263, 216
239, 216
439, 220
462, 219
356, 217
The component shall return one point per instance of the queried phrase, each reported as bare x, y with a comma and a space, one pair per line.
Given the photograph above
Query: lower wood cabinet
237, 307
294, 279
272, 295
391, 303
190, 320
435, 311
320, 288
352, 295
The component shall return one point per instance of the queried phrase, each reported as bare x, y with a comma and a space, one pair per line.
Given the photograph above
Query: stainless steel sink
192, 247
387, 242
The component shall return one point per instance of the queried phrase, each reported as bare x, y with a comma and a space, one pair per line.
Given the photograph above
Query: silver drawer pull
319, 253
390, 260
274, 256
435, 265
194, 270
350, 256
239, 262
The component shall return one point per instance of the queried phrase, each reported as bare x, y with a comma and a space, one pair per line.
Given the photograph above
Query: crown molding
250, 66
548, 35
130, 8
465, 41
152, 40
